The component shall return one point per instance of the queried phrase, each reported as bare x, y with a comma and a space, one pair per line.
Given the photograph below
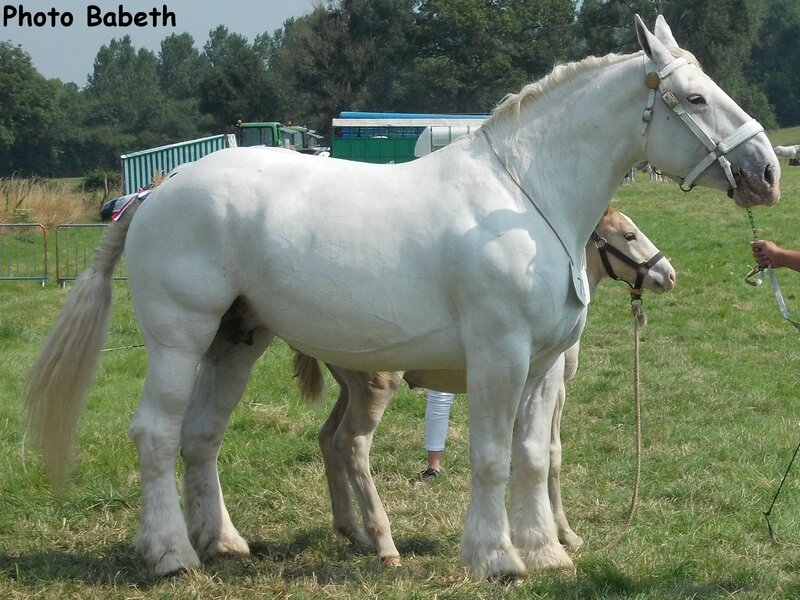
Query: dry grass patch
50, 203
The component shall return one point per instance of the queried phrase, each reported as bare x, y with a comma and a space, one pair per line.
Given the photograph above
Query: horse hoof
171, 566
550, 558
391, 561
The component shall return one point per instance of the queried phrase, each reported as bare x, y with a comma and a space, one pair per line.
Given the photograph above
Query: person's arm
766, 252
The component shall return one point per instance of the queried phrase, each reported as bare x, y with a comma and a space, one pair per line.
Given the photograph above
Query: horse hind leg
345, 521
369, 394
221, 381
173, 356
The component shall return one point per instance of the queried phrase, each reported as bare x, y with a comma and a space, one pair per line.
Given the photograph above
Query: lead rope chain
758, 270
639, 321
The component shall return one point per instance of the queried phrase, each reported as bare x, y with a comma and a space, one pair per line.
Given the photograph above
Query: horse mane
512, 103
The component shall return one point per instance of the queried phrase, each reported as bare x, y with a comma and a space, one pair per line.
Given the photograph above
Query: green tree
344, 55
236, 82
126, 103
180, 66
474, 52
27, 115
606, 26
775, 65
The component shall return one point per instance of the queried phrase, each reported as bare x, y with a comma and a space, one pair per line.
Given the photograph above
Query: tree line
386, 55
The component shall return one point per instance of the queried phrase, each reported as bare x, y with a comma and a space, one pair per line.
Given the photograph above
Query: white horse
644, 167
786, 151
617, 249
462, 269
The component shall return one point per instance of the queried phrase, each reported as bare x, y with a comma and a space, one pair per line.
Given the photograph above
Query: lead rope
759, 271
639, 321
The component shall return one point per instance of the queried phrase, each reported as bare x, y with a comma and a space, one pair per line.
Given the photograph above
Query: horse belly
361, 325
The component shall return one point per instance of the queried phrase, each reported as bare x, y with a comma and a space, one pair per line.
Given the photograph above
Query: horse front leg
533, 527
221, 381
494, 385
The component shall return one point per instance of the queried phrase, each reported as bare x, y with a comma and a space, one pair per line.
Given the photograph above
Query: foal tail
309, 378
58, 383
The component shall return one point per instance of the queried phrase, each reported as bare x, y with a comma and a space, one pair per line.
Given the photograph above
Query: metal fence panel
23, 252
139, 168
75, 245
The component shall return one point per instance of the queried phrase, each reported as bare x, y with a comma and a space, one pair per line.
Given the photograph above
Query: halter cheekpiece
654, 79
641, 268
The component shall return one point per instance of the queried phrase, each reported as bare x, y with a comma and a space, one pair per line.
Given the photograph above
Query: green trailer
396, 137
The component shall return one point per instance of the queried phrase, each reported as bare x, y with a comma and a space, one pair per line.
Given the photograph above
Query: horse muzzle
758, 185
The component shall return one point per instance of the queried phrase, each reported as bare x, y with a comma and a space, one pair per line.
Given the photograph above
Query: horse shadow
118, 564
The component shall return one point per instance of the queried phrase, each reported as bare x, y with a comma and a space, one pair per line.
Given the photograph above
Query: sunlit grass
720, 380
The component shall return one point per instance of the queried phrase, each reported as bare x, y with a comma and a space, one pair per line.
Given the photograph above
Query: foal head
620, 250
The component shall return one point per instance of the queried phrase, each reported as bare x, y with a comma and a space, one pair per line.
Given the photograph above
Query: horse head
620, 250
724, 147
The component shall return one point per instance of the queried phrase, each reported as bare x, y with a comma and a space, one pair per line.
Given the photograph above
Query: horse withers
471, 283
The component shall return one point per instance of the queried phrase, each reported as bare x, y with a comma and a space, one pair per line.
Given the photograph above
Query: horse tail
58, 383
309, 378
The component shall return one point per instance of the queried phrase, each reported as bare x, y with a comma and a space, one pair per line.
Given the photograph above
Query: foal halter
655, 81
642, 268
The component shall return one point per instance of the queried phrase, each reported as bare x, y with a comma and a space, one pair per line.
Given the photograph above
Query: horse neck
595, 271
573, 142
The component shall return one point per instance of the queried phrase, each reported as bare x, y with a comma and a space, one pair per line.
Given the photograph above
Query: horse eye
697, 99
630, 236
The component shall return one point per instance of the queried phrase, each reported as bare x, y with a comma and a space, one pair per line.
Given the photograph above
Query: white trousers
437, 419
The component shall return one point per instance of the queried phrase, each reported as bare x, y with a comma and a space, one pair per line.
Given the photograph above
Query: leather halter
654, 79
642, 268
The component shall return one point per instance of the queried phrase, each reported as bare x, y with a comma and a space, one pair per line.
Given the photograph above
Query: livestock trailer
396, 137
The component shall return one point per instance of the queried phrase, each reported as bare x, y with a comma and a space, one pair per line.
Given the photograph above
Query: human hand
764, 252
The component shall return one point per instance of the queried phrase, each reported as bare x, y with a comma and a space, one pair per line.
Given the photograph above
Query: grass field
721, 408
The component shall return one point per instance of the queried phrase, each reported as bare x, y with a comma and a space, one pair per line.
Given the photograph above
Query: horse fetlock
551, 557
354, 534
501, 562
570, 540
226, 543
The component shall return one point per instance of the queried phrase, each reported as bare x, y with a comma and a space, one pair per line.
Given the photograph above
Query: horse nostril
769, 174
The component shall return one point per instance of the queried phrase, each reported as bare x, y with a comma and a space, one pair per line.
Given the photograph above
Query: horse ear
664, 33
652, 46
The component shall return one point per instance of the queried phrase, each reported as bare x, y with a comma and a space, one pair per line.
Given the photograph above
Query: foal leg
565, 534
344, 516
224, 372
173, 355
533, 528
368, 394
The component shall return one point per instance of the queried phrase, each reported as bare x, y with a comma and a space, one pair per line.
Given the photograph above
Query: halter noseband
655, 81
642, 268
